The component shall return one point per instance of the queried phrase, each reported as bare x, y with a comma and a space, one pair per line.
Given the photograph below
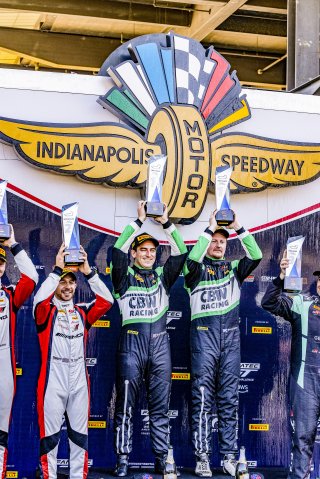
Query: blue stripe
151, 61
167, 58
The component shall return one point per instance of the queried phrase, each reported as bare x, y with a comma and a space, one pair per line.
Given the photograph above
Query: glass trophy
5, 229
224, 215
70, 234
156, 166
293, 279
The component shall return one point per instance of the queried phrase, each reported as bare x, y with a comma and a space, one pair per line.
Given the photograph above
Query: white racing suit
63, 384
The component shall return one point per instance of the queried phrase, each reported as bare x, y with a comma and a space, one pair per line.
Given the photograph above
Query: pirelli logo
181, 376
259, 427
12, 474
261, 330
97, 424
18, 373
102, 323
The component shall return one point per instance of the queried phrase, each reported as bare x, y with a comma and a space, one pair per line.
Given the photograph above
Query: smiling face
145, 255
217, 247
66, 288
318, 285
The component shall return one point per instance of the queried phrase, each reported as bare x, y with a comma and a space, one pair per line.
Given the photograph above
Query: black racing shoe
122, 466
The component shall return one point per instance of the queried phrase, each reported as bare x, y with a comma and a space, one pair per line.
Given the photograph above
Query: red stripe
45, 467
5, 457
264, 226
85, 466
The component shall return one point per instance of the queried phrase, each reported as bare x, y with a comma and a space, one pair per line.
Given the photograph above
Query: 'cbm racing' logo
175, 97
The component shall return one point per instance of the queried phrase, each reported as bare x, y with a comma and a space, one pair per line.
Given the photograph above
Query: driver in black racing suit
142, 292
214, 285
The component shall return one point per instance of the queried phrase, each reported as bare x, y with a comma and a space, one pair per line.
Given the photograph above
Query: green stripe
176, 235
215, 313
216, 282
251, 246
125, 235
234, 264
146, 320
143, 289
122, 102
199, 249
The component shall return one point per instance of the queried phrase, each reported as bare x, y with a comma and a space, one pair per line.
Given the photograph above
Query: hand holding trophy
154, 205
224, 216
5, 230
293, 279
70, 235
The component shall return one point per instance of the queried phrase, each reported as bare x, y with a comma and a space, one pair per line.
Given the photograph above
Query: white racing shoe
229, 464
203, 466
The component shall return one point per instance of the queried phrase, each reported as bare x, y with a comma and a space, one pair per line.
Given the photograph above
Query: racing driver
142, 292
63, 384
214, 285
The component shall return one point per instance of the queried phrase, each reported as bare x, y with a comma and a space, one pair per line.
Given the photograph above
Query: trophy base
224, 217
292, 285
154, 209
73, 258
5, 232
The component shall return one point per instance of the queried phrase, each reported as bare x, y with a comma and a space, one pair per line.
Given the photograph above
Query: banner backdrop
264, 421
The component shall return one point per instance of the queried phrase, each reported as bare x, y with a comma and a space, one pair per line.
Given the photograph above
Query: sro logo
247, 368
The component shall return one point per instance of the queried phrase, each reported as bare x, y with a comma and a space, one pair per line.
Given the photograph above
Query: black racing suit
214, 289
144, 349
303, 312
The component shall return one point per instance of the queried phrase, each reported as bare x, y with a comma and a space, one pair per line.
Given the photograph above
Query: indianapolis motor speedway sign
176, 98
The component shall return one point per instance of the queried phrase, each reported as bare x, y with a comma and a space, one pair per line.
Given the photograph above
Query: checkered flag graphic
193, 69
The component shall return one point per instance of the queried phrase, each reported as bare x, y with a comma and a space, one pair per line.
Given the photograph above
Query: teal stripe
302, 307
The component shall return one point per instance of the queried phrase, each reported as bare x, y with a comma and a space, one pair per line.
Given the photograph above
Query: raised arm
253, 253
193, 265
29, 276
44, 294
103, 300
119, 265
173, 265
274, 300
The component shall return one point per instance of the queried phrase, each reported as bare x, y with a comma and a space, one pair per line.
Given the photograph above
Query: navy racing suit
144, 348
214, 290
303, 313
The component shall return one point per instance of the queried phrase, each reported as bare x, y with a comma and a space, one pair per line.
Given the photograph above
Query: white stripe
126, 385
200, 415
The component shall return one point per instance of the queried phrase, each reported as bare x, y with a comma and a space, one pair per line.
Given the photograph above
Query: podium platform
262, 473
